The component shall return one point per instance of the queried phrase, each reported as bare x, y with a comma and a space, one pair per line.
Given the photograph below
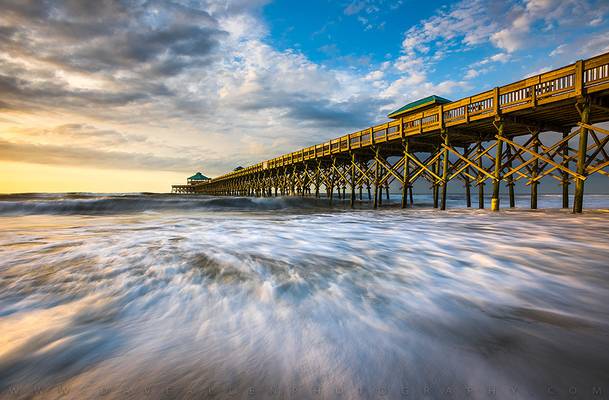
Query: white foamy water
198, 297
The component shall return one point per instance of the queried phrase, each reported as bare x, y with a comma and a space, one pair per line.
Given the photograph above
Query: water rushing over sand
195, 297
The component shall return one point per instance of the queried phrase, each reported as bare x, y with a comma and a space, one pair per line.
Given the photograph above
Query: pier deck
541, 127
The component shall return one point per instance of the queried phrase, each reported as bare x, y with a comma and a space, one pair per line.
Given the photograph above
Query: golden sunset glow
18, 177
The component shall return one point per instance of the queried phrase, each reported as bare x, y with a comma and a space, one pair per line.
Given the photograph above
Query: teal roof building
419, 105
198, 177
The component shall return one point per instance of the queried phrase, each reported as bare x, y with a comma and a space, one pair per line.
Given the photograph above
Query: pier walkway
541, 127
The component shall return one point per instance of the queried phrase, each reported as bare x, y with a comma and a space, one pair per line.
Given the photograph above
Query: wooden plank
594, 128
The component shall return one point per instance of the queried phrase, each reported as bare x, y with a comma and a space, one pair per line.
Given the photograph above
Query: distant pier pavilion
541, 127
191, 184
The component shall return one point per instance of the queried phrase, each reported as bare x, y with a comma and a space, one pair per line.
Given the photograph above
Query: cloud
522, 24
4, 105
365, 22
473, 25
81, 134
330, 50
538, 71
596, 21
499, 57
288, 86
31, 93
129, 46
466, 23
354, 7
486, 65
84, 156
551, 15
558, 50
595, 45
472, 73
415, 86
367, 12
168, 64
174, 84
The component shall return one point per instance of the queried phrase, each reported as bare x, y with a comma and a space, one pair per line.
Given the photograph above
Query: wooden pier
542, 127
183, 189
191, 184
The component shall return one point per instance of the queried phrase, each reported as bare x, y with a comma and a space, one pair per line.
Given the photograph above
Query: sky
126, 96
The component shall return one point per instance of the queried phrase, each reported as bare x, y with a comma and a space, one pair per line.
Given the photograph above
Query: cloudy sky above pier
136, 95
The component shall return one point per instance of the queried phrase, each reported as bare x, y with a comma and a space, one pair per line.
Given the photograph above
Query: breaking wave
80, 203
96, 204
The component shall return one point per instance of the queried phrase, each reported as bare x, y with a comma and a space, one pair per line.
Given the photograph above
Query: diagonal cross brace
423, 167
391, 169
539, 156
468, 162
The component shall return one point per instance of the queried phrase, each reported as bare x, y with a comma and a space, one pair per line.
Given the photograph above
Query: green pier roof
198, 177
415, 105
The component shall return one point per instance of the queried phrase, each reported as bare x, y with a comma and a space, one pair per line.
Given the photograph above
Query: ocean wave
308, 305
125, 203
79, 203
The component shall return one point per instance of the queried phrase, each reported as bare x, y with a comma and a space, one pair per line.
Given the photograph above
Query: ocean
130, 296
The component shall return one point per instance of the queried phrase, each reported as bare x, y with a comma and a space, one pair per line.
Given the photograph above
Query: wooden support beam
364, 174
332, 180
353, 163
498, 156
424, 167
600, 148
468, 162
540, 126
543, 158
436, 192
445, 171
391, 170
510, 178
600, 107
379, 182
597, 168
565, 176
376, 180
480, 180
387, 190
551, 152
317, 179
578, 201
406, 171
535, 167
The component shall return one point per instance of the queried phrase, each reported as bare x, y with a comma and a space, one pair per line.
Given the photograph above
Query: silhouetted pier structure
541, 127
191, 184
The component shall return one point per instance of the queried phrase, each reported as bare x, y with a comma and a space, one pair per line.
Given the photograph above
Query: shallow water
194, 297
